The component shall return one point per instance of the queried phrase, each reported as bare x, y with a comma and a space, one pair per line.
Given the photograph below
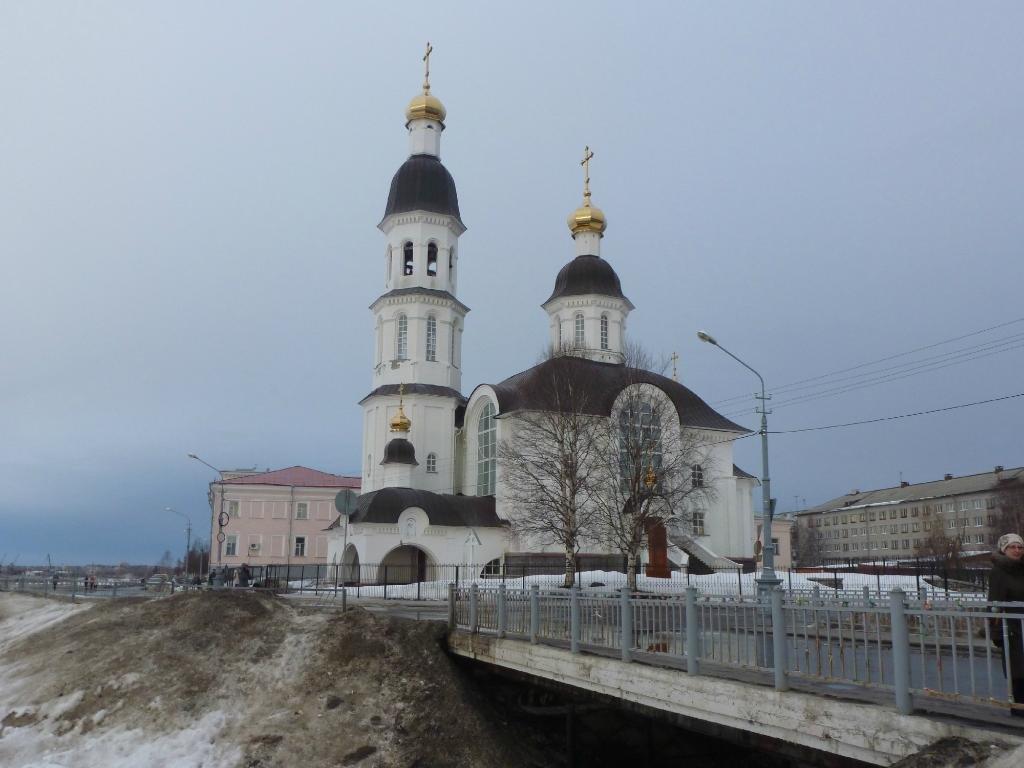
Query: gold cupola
587, 218
426, 106
400, 422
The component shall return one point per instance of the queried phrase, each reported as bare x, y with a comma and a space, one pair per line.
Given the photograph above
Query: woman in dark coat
1006, 585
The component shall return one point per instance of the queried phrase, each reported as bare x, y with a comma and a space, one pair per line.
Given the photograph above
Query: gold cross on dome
674, 358
587, 157
426, 68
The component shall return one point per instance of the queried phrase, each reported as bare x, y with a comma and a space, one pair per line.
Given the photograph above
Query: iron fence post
502, 617
627, 623
451, 608
115, 590
779, 638
385, 582
739, 579
867, 594
344, 598
574, 619
900, 652
692, 633
474, 596
816, 593
534, 613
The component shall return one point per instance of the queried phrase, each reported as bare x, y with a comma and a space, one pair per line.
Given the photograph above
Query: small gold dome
400, 422
425, 106
587, 218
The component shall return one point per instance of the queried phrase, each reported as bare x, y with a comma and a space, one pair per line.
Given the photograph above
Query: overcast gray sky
189, 194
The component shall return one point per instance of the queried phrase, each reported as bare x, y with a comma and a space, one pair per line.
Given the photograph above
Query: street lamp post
221, 518
188, 536
768, 580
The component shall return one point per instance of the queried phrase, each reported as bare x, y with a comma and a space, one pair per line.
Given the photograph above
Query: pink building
276, 517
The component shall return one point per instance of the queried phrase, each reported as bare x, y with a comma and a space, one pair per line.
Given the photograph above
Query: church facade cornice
421, 217
430, 296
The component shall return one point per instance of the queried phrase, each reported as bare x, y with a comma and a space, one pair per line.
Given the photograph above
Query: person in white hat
1006, 585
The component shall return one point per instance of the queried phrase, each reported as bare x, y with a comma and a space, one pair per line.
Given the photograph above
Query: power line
901, 416
830, 374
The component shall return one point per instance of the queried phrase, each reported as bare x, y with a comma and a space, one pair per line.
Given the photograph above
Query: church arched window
451, 259
640, 448
697, 476
431, 259
578, 336
486, 451
388, 266
407, 258
380, 341
432, 463
431, 338
402, 338
604, 331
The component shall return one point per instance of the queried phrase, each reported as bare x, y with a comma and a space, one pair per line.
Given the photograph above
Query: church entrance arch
405, 565
350, 566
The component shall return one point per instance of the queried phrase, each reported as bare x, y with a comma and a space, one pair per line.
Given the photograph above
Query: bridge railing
905, 646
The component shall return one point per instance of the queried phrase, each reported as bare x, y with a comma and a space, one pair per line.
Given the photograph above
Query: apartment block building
892, 523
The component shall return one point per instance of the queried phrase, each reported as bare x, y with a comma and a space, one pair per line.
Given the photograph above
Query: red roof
300, 477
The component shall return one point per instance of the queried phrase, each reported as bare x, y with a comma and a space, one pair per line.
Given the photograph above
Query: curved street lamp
768, 579
222, 519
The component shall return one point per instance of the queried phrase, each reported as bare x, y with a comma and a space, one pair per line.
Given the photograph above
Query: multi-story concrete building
898, 522
275, 517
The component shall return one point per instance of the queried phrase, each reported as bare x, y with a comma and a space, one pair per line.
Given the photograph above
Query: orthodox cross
587, 157
426, 68
674, 358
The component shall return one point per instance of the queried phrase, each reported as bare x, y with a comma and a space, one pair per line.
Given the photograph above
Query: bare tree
547, 456
649, 469
941, 550
1010, 506
808, 546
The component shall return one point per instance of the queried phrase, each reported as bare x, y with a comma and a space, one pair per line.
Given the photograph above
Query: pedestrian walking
1006, 585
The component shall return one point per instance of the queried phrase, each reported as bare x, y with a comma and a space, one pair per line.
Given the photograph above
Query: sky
189, 195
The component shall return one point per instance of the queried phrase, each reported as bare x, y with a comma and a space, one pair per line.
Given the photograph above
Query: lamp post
768, 579
188, 536
222, 519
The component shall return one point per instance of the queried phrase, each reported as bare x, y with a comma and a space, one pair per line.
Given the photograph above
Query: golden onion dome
400, 422
587, 218
425, 106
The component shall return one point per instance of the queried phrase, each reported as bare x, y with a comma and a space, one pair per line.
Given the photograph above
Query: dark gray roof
387, 504
550, 383
984, 482
587, 274
421, 292
416, 389
422, 183
399, 451
737, 472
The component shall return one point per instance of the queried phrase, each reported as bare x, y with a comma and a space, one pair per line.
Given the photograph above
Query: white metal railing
908, 646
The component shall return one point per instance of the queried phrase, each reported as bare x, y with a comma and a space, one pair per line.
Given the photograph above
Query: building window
903, 513
302, 511
604, 331
486, 434
231, 545
402, 338
431, 338
407, 259
639, 443
964, 505
697, 476
978, 504
431, 259
578, 337
380, 341
451, 349
233, 509
451, 260
432, 463
978, 521
698, 524
300, 546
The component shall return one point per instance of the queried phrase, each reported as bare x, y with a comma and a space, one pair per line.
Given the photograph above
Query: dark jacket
1006, 585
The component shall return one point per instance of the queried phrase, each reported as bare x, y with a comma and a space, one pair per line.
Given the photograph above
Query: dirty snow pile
232, 680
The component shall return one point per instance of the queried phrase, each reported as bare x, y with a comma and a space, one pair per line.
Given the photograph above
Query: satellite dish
345, 502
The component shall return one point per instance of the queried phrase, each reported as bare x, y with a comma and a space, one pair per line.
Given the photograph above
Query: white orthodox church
432, 485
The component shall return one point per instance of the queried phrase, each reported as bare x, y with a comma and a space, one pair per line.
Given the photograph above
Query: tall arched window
451, 259
578, 337
697, 476
432, 259
431, 338
380, 341
407, 258
486, 451
402, 338
604, 331
432, 463
640, 446
388, 266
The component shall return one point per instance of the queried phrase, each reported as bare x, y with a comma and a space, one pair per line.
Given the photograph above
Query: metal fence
904, 646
